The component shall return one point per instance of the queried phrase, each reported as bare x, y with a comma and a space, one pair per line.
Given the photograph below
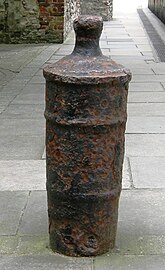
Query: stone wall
27, 21
103, 8
72, 10
158, 8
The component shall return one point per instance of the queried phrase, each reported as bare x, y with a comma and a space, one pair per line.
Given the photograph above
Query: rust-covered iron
86, 100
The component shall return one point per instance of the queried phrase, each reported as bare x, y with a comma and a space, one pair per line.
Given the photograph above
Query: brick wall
27, 21
103, 8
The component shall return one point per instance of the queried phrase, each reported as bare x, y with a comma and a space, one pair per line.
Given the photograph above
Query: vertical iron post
86, 113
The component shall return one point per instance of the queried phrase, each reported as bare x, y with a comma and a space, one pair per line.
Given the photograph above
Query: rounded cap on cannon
88, 26
86, 64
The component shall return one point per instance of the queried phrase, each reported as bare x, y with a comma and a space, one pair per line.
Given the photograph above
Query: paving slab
8, 244
146, 97
142, 213
32, 245
23, 111
150, 145
146, 109
128, 52
148, 172
126, 177
35, 218
145, 87
144, 70
22, 175
37, 79
140, 245
149, 78
34, 88
23, 127
49, 262
2, 108
18, 147
130, 262
27, 72
29, 98
11, 207
145, 125
144, 48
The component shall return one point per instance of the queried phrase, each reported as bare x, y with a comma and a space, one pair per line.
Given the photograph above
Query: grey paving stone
152, 145
27, 72
34, 88
65, 51
22, 175
159, 68
21, 147
146, 109
29, 98
23, 127
129, 52
8, 244
11, 206
147, 54
163, 84
129, 262
37, 79
32, 245
145, 87
118, 46
149, 78
2, 108
129, 244
51, 262
35, 218
145, 70
141, 40
148, 172
145, 125
142, 213
126, 178
144, 48
23, 111
146, 97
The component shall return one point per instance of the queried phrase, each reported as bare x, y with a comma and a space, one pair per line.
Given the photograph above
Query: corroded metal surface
86, 97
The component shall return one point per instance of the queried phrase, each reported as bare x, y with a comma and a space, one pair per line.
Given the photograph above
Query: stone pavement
140, 241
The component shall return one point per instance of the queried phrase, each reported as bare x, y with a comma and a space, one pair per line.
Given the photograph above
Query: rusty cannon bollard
86, 98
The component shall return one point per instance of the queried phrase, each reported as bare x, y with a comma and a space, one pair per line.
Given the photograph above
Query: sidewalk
24, 240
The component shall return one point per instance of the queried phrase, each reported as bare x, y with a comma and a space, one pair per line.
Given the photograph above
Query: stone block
22, 175
23, 127
17, 147
8, 244
148, 172
118, 262
40, 262
145, 87
146, 125
142, 213
26, 111
35, 218
146, 109
146, 97
11, 207
139, 145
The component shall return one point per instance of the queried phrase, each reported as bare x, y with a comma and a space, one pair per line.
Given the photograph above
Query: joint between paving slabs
23, 212
163, 85
130, 174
